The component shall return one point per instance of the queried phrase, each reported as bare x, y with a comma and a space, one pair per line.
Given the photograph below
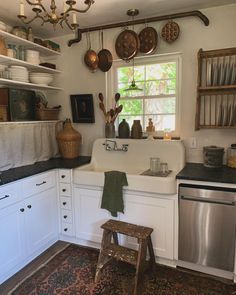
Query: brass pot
90, 57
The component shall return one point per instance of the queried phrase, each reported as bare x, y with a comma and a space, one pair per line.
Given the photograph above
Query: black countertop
195, 171
29, 170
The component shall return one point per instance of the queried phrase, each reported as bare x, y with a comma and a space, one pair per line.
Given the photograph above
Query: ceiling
104, 12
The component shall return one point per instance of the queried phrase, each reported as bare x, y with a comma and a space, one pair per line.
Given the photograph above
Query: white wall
77, 79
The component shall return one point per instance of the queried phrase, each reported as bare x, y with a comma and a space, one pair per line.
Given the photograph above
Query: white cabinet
66, 203
27, 227
12, 233
41, 219
88, 214
155, 212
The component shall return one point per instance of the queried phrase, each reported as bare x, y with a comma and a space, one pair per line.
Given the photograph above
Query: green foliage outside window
157, 98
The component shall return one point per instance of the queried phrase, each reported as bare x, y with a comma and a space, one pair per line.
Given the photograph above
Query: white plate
214, 74
221, 74
232, 81
209, 73
231, 115
225, 116
228, 71
220, 115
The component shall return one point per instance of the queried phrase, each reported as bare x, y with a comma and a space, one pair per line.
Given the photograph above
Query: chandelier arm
31, 20
37, 4
78, 10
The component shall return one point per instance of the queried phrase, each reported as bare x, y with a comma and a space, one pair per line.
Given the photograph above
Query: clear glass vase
110, 130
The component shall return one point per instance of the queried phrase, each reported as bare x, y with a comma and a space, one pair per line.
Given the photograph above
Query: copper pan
90, 57
105, 58
148, 40
127, 44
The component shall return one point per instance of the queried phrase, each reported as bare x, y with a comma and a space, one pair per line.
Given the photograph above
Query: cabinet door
12, 248
156, 213
88, 214
41, 220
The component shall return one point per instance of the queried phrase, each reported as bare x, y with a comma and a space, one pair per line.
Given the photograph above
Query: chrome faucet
111, 145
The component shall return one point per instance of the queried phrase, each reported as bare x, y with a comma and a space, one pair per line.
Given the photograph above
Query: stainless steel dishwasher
207, 223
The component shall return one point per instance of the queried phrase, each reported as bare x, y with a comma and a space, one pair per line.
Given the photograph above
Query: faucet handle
125, 147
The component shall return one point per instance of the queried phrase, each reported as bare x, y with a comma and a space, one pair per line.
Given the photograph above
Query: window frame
112, 80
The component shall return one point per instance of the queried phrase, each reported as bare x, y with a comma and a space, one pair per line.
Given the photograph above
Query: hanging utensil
90, 57
127, 44
105, 58
148, 40
170, 31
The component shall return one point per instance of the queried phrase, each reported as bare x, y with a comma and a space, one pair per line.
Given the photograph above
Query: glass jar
231, 156
20, 32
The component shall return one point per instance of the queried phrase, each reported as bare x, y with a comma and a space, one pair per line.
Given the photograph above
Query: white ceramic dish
38, 78
209, 73
233, 75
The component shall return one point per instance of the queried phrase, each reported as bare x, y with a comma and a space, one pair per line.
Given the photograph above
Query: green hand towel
112, 198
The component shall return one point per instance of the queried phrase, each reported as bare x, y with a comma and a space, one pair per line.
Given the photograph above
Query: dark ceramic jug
124, 130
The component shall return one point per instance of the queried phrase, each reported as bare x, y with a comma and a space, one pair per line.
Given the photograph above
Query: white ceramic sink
134, 161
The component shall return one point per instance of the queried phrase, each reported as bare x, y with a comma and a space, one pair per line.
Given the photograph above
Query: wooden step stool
111, 250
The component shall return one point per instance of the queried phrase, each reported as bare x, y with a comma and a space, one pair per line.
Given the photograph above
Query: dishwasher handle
206, 200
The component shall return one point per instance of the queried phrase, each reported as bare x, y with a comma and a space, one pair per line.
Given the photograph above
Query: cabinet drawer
65, 203
9, 194
66, 216
38, 183
65, 189
67, 229
65, 175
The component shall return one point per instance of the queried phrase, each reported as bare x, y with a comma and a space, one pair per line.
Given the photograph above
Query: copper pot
90, 57
105, 58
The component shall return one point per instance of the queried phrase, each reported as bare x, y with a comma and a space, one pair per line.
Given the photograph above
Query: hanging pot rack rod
195, 13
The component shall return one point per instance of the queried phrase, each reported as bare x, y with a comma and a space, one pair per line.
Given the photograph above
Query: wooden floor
7, 286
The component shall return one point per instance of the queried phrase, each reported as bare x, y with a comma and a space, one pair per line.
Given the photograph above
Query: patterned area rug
71, 272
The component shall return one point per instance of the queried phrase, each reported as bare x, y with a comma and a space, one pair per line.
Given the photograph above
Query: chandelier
53, 17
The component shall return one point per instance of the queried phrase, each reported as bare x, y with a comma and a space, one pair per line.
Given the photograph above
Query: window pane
132, 107
161, 122
160, 87
161, 71
160, 106
125, 74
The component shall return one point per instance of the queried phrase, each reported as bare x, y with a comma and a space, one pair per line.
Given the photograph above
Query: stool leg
115, 238
142, 252
151, 252
103, 259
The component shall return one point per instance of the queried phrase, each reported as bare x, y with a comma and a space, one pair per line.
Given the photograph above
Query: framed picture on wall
82, 108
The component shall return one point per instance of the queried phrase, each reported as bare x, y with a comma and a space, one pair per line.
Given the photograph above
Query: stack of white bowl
41, 78
18, 73
32, 56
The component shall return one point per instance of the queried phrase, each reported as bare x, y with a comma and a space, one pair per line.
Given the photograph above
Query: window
158, 79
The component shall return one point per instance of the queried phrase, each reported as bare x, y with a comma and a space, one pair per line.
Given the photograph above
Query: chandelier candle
54, 17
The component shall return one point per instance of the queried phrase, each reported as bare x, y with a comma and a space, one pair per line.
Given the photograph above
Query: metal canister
213, 156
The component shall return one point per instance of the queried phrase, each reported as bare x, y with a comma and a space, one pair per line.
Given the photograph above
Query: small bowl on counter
41, 78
